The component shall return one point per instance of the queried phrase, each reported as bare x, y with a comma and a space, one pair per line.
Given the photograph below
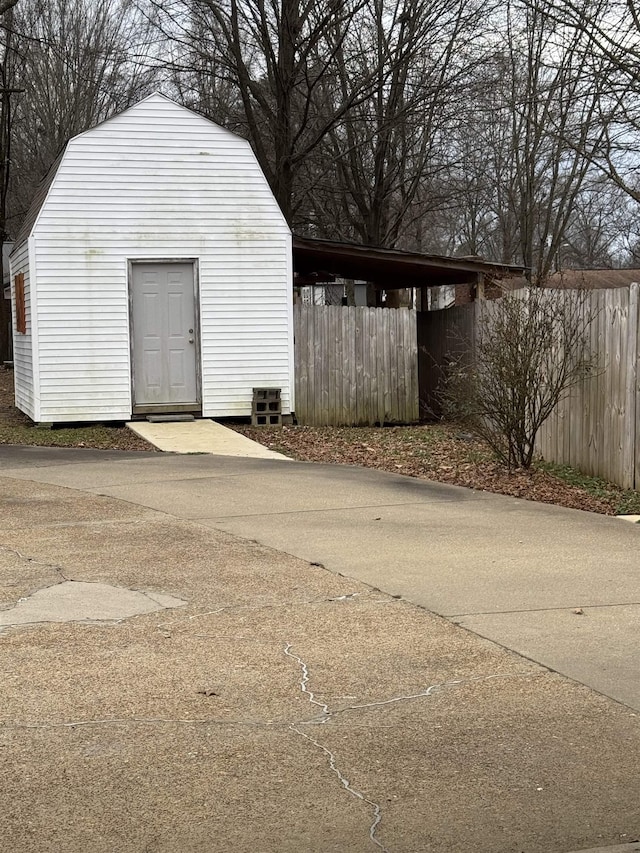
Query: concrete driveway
274, 705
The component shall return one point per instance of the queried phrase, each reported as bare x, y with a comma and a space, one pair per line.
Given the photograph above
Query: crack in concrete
377, 811
564, 607
429, 691
350, 507
271, 606
333, 766
305, 681
327, 714
284, 725
347, 597
57, 569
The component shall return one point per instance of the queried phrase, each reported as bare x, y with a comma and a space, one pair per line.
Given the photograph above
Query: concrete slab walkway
201, 436
285, 708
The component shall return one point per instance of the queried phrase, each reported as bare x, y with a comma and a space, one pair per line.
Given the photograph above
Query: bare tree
376, 162
610, 33
79, 61
276, 54
8, 89
481, 213
601, 218
399, 122
540, 97
510, 183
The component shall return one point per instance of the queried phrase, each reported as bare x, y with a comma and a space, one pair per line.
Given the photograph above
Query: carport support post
373, 295
350, 292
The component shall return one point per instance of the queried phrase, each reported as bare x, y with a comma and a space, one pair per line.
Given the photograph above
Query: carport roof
390, 268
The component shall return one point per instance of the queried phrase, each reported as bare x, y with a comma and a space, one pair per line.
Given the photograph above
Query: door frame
149, 409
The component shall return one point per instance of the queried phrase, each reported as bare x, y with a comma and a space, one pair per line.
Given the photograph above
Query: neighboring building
152, 274
593, 279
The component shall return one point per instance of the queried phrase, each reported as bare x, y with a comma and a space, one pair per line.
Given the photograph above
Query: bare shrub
530, 347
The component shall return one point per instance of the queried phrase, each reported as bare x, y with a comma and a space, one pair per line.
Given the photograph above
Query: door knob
190, 340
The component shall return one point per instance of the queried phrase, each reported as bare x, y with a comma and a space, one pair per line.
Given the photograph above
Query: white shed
152, 274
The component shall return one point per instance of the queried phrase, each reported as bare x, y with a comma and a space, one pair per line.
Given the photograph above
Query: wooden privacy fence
355, 366
595, 426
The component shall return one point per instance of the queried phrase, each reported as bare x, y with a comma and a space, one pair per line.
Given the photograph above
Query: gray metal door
164, 337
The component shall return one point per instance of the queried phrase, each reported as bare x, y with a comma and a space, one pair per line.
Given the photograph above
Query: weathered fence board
595, 426
355, 366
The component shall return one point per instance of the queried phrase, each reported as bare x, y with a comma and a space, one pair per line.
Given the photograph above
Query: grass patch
98, 436
623, 501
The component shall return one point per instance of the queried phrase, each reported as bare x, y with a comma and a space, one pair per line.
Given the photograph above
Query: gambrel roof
45, 185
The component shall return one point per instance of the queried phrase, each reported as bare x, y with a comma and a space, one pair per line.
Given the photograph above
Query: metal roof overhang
390, 268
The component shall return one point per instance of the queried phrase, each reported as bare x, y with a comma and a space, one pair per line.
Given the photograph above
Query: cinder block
261, 407
266, 408
267, 394
267, 419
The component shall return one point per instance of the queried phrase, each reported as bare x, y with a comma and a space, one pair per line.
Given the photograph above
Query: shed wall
23, 361
160, 182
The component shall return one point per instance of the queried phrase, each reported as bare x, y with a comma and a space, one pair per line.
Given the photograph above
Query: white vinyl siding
160, 182
23, 360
